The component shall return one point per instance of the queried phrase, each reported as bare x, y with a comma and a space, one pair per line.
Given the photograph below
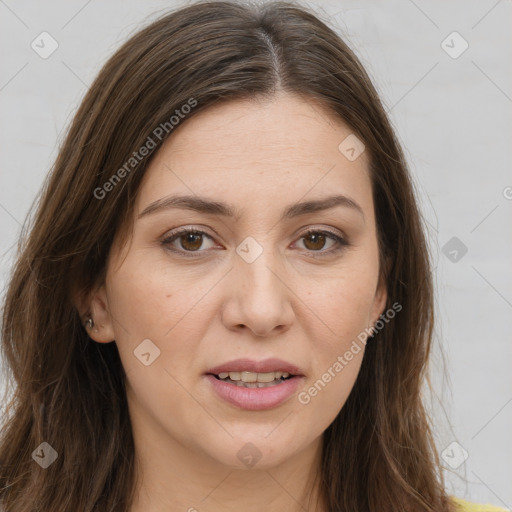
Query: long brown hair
379, 453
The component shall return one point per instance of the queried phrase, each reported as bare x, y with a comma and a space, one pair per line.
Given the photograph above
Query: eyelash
341, 242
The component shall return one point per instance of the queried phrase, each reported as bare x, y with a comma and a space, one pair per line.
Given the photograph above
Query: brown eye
315, 241
191, 241
187, 241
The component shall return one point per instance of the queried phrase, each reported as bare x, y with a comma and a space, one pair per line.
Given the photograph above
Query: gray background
453, 116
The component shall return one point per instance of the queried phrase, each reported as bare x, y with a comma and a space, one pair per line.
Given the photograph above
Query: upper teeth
253, 376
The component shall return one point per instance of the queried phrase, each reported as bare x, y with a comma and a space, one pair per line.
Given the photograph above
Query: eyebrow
203, 205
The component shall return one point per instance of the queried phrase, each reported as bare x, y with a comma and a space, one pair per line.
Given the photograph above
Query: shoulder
466, 506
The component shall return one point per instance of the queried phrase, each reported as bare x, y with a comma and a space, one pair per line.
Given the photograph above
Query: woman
225, 297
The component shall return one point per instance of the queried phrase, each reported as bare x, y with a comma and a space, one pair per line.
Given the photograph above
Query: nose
258, 297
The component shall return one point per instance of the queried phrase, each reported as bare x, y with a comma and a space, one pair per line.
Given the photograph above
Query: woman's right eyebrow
211, 207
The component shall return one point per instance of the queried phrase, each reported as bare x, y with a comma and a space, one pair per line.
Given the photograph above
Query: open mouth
252, 379
255, 386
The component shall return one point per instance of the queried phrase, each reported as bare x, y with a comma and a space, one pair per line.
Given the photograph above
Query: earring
89, 323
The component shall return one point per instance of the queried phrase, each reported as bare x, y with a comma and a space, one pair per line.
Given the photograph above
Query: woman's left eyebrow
208, 206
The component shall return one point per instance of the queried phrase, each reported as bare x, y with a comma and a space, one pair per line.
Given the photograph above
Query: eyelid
175, 234
185, 229
339, 237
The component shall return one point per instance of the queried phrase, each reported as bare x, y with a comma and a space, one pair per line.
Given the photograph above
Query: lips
255, 396
250, 365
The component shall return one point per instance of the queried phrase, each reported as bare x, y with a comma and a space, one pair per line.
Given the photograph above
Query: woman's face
251, 284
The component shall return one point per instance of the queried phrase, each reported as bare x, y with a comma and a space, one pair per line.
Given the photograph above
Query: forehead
275, 149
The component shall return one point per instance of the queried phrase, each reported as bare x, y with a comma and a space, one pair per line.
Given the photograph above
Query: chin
261, 451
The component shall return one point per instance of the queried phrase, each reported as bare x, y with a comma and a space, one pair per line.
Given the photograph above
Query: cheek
141, 303
156, 310
328, 388
342, 306
148, 301
340, 312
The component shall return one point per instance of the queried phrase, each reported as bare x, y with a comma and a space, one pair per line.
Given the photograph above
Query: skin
215, 307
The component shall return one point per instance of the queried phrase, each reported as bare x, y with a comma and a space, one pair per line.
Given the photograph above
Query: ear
95, 305
379, 301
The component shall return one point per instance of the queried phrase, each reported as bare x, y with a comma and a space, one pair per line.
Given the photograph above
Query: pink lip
255, 399
265, 366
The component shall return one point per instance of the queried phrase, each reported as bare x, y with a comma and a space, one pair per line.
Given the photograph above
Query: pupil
319, 237
189, 238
